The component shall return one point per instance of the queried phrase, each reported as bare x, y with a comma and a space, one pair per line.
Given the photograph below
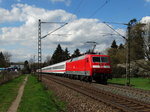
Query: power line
53, 22
95, 10
80, 3
115, 31
79, 6
40, 44
108, 34
116, 23
99, 8
61, 34
54, 30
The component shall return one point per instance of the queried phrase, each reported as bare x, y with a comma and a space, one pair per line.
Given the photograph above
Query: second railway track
121, 103
134, 93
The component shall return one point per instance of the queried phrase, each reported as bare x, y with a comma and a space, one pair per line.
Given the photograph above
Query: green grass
37, 98
8, 93
142, 83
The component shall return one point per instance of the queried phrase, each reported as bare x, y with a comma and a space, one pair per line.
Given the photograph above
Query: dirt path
15, 103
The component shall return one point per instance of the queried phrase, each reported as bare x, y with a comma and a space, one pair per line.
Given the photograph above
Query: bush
118, 72
6, 76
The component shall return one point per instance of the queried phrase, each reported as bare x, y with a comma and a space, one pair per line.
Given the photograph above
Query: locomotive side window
100, 59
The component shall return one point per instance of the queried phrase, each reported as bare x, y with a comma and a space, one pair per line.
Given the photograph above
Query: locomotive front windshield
101, 59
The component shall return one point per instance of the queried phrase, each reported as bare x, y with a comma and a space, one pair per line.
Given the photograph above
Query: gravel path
77, 102
15, 103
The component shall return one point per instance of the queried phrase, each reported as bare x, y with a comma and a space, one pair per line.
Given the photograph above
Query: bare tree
32, 59
7, 56
147, 40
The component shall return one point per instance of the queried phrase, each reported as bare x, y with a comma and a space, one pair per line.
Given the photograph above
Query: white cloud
67, 2
21, 40
1, 1
18, 0
146, 19
147, 0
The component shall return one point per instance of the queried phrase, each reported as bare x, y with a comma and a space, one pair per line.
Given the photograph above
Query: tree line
5, 59
139, 48
139, 37
60, 55
138, 45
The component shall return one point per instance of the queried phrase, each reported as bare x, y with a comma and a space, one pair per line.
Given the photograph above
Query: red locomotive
86, 67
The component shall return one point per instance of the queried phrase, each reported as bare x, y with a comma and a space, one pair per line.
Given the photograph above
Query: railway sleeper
114, 104
145, 110
124, 103
123, 108
138, 107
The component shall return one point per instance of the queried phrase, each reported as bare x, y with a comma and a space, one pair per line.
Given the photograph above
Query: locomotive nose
101, 65
101, 68
105, 65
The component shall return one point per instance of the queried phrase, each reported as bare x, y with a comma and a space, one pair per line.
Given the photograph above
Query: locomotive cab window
100, 59
96, 59
104, 59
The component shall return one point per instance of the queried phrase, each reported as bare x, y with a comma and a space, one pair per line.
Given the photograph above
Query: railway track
131, 88
121, 103
138, 94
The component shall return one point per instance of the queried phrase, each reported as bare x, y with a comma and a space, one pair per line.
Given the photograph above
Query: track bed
115, 101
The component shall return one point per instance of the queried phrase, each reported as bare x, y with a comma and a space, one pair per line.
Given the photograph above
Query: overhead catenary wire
99, 8
106, 2
115, 30
54, 30
79, 6
115, 23
78, 9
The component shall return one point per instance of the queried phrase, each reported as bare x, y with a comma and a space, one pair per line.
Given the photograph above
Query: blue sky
114, 10
19, 19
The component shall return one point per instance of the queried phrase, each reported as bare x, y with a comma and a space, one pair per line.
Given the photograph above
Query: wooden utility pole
128, 57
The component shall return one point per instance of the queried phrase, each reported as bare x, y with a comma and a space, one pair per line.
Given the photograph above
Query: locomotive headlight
107, 66
96, 66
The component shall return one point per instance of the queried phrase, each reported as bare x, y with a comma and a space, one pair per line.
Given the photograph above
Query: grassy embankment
142, 83
8, 92
37, 98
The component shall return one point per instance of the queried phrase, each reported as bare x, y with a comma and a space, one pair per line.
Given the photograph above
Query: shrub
6, 76
118, 72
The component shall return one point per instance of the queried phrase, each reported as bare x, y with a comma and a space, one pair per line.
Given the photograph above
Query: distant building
19, 66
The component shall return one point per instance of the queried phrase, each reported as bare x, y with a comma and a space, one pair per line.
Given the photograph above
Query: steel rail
121, 103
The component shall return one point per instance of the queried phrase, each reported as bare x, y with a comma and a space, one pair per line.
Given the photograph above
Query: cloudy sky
19, 24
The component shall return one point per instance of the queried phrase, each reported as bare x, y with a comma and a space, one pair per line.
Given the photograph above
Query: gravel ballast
77, 102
